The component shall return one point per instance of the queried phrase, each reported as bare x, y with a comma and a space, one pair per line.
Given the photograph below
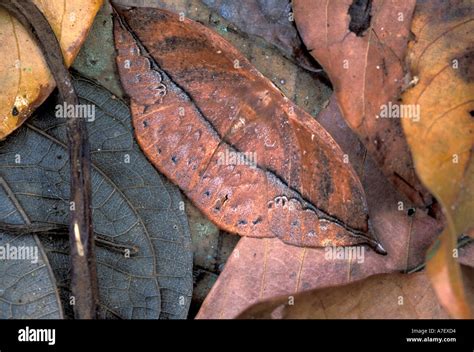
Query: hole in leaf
359, 11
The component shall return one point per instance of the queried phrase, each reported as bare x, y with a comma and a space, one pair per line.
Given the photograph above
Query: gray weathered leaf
27, 288
132, 205
270, 19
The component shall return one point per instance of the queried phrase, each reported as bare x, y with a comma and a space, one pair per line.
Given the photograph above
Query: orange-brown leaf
196, 102
263, 269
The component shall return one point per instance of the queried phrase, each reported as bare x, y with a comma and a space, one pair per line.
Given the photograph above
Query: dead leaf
201, 110
211, 247
25, 79
264, 269
388, 296
133, 206
303, 87
361, 45
28, 287
442, 141
269, 19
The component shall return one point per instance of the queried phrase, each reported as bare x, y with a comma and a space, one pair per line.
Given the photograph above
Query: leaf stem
46, 229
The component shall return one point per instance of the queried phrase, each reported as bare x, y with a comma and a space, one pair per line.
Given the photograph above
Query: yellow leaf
441, 141
25, 80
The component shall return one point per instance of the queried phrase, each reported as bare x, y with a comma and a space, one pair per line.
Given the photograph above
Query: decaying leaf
263, 269
252, 161
28, 286
269, 19
388, 296
361, 45
25, 80
132, 205
307, 89
442, 141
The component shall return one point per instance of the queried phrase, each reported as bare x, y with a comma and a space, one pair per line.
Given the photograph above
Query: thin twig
59, 230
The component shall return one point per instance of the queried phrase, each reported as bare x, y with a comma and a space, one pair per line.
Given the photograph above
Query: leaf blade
132, 204
290, 185
367, 70
24, 75
440, 58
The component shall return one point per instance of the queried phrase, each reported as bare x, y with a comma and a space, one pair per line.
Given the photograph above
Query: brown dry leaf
442, 141
307, 89
363, 52
388, 296
296, 83
25, 80
260, 269
248, 158
264, 269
